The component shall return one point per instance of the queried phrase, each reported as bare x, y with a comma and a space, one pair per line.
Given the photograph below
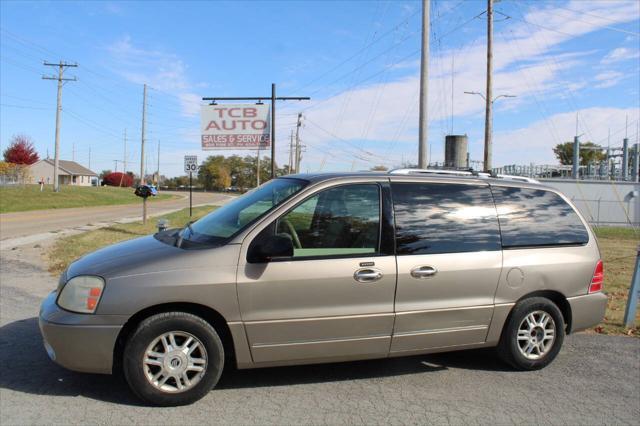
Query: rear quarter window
444, 218
535, 217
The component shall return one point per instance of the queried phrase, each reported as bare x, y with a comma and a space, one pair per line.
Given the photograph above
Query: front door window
340, 221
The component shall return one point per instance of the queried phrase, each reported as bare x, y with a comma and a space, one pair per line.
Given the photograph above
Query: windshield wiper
181, 234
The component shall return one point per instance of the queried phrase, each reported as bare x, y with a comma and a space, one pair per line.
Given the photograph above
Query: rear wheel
533, 335
173, 358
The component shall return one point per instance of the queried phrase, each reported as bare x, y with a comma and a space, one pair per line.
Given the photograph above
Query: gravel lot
594, 380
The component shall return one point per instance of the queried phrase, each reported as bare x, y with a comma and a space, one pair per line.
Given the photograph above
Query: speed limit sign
190, 163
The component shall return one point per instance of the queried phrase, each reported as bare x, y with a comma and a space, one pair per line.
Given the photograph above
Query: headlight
81, 294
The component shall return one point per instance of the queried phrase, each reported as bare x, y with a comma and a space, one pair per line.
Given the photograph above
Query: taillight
598, 278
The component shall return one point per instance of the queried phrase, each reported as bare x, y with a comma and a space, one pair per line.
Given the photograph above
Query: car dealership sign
237, 126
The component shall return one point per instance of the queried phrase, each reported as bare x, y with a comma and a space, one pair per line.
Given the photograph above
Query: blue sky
359, 61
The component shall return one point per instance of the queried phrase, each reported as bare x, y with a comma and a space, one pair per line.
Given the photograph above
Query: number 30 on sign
190, 163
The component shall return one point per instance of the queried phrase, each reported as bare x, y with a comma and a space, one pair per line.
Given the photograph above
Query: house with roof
69, 173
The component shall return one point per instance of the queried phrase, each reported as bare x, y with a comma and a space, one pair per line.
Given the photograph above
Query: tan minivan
332, 267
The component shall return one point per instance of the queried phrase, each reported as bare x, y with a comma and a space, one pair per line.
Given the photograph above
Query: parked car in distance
332, 267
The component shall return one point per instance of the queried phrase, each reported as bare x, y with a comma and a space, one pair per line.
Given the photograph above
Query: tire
521, 345
173, 358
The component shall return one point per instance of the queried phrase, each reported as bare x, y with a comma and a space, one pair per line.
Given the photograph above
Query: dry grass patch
619, 248
19, 198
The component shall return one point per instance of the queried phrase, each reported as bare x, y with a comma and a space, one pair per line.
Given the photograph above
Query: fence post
632, 299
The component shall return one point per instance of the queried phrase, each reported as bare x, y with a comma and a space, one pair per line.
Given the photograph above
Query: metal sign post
190, 166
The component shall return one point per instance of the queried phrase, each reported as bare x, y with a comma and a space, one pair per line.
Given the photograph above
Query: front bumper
587, 311
79, 342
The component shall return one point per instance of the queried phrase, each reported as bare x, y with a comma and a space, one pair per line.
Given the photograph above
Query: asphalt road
594, 380
19, 224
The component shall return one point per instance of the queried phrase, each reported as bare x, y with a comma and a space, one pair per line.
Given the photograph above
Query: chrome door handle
367, 275
423, 272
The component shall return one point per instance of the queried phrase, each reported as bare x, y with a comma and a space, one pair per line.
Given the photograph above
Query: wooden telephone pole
142, 180
423, 134
488, 118
56, 162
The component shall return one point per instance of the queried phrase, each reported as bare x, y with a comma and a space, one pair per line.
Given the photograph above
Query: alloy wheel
536, 335
175, 361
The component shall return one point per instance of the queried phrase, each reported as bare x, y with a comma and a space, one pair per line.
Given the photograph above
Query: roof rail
443, 172
430, 172
516, 178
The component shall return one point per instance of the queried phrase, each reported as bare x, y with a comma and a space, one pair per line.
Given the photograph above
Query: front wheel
533, 335
173, 358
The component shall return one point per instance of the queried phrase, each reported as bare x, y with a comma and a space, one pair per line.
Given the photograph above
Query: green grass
28, 197
618, 246
65, 250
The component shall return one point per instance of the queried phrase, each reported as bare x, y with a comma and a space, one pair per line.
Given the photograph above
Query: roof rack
467, 173
516, 178
430, 172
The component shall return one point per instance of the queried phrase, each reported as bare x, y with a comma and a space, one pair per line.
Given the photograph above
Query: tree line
218, 172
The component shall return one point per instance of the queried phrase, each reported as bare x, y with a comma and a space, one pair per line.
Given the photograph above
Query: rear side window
444, 218
534, 217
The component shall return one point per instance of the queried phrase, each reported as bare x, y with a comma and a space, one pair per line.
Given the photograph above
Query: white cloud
608, 79
621, 54
160, 70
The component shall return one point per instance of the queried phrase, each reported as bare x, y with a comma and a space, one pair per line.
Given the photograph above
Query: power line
359, 51
562, 32
25, 107
602, 26
587, 13
351, 144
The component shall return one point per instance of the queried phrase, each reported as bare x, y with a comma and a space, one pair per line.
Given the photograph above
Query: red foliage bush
20, 151
118, 179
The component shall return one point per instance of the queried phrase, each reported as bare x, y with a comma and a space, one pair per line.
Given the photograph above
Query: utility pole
124, 157
489, 92
158, 168
273, 100
625, 151
124, 160
142, 181
298, 147
575, 169
291, 153
258, 167
273, 131
56, 162
89, 159
423, 142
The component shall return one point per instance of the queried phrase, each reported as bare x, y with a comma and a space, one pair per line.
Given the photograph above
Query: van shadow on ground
26, 368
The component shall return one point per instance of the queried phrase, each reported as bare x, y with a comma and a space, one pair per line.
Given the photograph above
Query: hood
140, 255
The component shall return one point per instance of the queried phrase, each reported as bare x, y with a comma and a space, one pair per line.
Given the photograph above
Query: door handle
367, 275
423, 272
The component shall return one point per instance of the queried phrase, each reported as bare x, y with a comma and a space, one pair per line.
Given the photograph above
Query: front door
334, 298
449, 263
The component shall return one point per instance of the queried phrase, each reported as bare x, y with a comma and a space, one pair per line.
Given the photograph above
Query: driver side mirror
273, 247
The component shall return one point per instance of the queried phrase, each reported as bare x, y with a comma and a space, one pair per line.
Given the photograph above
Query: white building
69, 173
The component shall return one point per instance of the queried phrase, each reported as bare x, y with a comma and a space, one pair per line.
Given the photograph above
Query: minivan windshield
216, 227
